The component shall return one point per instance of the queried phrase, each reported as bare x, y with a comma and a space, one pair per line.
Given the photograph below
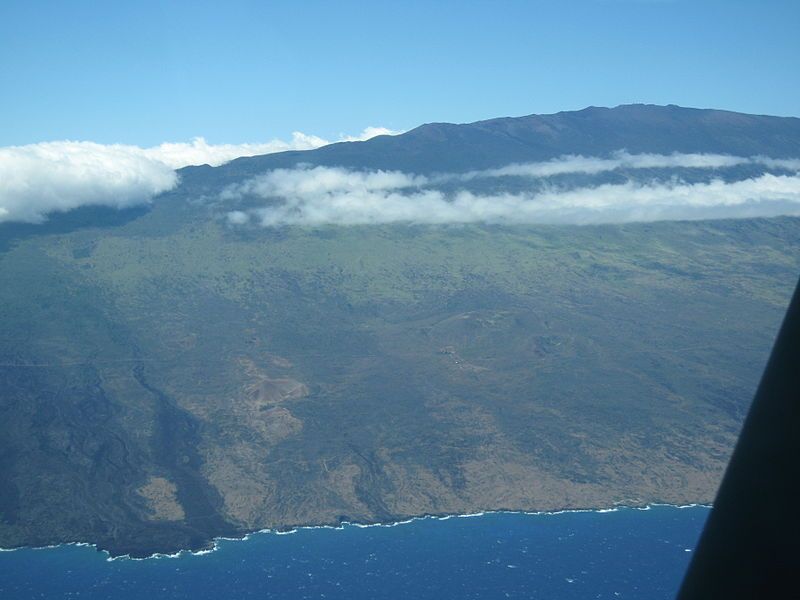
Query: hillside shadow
85, 217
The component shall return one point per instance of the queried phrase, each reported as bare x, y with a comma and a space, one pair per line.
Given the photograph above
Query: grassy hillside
169, 379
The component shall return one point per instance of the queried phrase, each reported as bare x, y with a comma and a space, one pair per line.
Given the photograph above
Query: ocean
624, 553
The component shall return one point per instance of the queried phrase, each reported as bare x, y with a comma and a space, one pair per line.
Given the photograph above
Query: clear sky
147, 72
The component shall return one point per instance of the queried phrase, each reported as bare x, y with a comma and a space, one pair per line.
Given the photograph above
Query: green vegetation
171, 379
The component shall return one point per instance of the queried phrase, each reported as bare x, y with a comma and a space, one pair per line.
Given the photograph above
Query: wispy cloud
309, 182
38, 179
322, 195
199, 152
368, 134
589, 165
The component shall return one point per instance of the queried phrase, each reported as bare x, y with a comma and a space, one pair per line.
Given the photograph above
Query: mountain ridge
595, 131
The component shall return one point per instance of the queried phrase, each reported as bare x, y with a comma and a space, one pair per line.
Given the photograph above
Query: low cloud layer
38, 179
589, 165
323, 195
42, 178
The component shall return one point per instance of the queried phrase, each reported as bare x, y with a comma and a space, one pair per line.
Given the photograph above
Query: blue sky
147, 72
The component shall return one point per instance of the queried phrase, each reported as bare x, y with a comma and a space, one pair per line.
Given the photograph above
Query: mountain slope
166, 377
441, 147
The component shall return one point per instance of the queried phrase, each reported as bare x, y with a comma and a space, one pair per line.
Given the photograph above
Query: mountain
638, 128
168, 376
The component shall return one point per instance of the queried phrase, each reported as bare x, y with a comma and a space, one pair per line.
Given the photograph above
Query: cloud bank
38, 179
42, 178
323, 195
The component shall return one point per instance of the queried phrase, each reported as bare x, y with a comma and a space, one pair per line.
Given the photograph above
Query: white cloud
790, 164
57, 176
200, 152
321, 181
38, 179
238, 217
322, 195
369, 133
588, 165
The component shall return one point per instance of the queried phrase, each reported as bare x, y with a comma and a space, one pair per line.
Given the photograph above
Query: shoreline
214, 544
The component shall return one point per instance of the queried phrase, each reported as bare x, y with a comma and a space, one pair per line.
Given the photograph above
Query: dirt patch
263, 389
162, 499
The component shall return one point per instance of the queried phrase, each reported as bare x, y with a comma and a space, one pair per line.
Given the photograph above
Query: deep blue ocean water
627, 553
